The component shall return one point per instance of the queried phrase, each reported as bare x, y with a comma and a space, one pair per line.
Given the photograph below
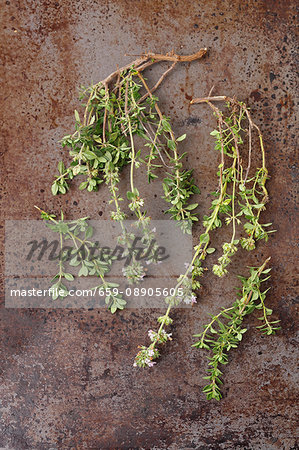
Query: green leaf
171, 144
108, 156
113, 136
190, 207
89, 155
204, 238
68, 276
76, 169
181, 138
88, 232
77, 117
62, 189
165, 125
130, 195
61, 167
113, 309
210, 250
83, 271
83, 185
255, 295
54, 188
74, 262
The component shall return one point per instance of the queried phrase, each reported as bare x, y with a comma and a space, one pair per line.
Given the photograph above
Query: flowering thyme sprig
201, 250
146, 355
252, 191
225, 330
229, 143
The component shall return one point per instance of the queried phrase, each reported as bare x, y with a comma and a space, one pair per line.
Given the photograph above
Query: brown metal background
68, 380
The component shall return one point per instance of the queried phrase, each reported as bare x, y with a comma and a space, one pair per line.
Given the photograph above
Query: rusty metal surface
67, 376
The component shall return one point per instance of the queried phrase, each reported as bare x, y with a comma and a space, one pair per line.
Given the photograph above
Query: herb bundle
239, 199
117, 111
121, 109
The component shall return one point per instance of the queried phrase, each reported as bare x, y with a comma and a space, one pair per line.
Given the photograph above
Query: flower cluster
145, 356
118, 216
135, 199
136, 203
190, 299
134, 272
160, 336
248, 243
186, 293
229, 249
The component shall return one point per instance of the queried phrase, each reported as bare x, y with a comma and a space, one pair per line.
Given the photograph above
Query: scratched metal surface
68, 380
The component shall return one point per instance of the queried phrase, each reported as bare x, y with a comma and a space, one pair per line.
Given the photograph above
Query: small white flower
150, 352
193, 299
154, 230
168, 335
190, 299
151, 364
151, 334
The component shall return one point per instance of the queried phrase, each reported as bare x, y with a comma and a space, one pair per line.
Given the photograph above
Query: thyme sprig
116, 111
86, 255
225, 330
249, 195
225, 206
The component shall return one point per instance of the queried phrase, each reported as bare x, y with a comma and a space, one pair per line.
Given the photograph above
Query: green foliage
121, 111
85, 255
242, 198
237, 197
225, 330
104, 141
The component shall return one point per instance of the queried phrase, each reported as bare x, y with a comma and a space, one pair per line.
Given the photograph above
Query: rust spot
287, 103
256, 95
